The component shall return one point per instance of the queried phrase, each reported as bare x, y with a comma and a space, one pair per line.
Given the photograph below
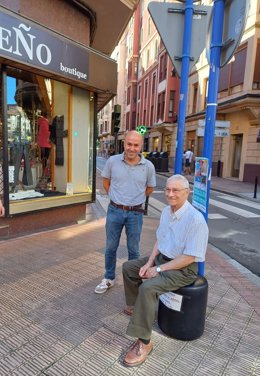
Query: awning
108, 21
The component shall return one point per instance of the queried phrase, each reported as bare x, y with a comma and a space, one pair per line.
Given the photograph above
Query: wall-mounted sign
221, 128
30, 44
218, 132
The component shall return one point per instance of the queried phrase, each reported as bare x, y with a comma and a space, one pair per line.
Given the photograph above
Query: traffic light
116, 118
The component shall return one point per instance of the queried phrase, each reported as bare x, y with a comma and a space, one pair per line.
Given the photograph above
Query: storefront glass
50, 141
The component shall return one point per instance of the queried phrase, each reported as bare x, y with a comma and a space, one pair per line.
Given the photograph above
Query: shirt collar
179, 213
142, 160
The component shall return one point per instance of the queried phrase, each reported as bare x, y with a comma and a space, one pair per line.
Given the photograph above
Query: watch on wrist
158, 269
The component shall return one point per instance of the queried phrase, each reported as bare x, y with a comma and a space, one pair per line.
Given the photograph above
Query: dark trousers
144, 294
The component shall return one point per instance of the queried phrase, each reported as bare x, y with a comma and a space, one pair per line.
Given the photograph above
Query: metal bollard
146, 206
255, 190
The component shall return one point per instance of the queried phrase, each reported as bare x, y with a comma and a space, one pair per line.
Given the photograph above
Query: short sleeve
197, 240
106, 172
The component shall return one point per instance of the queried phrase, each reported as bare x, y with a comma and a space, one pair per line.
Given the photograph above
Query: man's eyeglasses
173, 190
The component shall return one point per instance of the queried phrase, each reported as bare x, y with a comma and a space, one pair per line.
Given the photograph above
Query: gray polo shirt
128, 183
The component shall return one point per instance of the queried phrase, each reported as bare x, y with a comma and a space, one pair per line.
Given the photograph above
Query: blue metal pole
211, 108
185, 67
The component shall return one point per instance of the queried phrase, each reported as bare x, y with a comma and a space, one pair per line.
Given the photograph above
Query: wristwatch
158, 269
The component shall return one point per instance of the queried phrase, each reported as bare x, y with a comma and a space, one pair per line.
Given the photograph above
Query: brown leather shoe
138, 353
128, 310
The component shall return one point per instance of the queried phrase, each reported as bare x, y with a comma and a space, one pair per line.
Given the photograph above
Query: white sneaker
104, 285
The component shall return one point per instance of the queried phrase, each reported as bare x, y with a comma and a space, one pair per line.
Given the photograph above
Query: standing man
188, 160
128, 179
182, 238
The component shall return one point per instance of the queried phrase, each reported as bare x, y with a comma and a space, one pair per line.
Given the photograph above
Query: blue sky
11, 87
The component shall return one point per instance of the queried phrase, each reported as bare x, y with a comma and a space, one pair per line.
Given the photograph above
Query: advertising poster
200, 184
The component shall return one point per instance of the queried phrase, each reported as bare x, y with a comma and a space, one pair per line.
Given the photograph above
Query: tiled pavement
52, 323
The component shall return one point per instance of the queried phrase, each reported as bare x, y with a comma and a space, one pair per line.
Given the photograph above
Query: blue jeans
115, 221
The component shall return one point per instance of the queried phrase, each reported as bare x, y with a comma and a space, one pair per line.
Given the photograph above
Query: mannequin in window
43, 139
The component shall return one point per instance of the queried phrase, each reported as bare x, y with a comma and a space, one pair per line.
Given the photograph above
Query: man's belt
136, 208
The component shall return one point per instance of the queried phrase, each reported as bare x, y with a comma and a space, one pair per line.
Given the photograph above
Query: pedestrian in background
182, 238
188, 160
183, 160
128, 179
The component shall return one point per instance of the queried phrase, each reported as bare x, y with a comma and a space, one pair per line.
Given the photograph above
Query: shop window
156, 144
50, 141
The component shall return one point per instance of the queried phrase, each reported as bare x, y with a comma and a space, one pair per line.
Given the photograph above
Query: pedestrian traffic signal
116, 118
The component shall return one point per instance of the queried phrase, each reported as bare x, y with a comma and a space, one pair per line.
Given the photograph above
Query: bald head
134, 135
133, 145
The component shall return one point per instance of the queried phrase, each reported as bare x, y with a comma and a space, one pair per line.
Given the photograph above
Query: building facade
52, 86
236, 146
151, 97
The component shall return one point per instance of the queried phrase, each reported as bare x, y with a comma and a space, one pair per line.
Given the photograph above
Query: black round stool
188, 322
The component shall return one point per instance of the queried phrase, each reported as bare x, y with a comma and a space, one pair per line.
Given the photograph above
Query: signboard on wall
25, 42
221, 128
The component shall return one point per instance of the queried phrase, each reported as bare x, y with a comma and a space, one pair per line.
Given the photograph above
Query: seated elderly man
182, 238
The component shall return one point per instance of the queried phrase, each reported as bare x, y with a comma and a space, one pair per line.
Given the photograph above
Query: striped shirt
184, 232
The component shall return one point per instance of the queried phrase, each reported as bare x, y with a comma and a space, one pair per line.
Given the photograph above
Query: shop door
238, 140
190, 144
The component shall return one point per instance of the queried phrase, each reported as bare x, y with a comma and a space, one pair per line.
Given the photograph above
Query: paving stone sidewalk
53, 324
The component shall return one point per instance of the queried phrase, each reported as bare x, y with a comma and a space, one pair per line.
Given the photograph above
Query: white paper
69, 189
172, 300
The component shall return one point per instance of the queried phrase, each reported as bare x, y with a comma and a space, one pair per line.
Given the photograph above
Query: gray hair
179, 178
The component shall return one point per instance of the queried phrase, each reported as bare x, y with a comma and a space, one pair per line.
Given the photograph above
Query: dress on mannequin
43, 140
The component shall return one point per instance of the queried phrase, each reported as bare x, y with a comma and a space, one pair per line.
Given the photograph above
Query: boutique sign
31, 45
